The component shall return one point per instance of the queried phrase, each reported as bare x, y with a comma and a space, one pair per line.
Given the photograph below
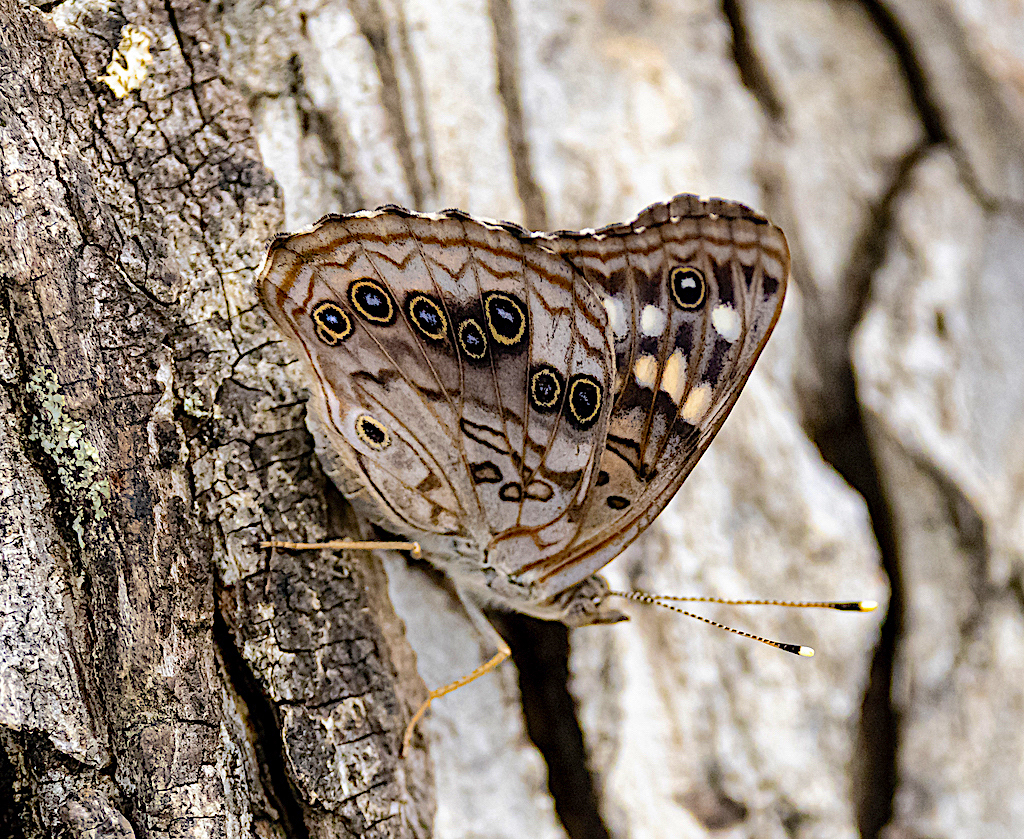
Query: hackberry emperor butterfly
523, 404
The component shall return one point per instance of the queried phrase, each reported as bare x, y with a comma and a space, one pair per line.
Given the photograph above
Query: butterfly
522, 405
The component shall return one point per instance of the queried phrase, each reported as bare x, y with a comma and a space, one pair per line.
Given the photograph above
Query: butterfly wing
526, 404
460, 370
692, 289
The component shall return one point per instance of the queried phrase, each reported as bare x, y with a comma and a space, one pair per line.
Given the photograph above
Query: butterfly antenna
345, 544
839, 606
796, 649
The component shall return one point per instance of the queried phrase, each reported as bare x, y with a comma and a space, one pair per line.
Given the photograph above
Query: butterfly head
586, 603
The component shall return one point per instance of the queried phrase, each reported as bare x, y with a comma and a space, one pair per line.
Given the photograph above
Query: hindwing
692, 289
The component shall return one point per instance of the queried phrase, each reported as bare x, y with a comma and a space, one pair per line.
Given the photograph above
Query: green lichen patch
62, 438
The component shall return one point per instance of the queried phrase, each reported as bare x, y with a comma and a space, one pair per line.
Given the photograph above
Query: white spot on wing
696, 404
645, 369
652, 321
726, 321
616, 316
673, 380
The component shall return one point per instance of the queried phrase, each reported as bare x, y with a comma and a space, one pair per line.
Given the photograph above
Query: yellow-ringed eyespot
425, 313
331, 323
372, 301
472, 339
583, 402
506, 319
688, 287
373, 432
546, 387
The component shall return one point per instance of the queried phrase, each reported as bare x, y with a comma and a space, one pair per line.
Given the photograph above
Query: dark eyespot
472, 340
427, 316
373, 432
545, 389
511, 492
583, 404
688, 286
602, 478
506, 318
331, 323
485, 473
372, 301
617, 502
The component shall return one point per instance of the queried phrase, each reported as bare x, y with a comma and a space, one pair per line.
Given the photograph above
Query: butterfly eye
506, 318
583, 405
472, 339
545, 389
427, 316
688, 286
373, 432
331, 323
372, 301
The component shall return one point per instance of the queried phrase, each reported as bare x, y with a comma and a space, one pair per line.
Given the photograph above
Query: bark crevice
374, 25
844, 443
753, 74
506, 54
265, 734
540, 651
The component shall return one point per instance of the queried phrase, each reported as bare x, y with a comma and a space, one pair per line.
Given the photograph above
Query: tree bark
162, 674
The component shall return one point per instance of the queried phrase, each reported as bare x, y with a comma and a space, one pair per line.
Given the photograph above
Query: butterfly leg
346, 544
484, 627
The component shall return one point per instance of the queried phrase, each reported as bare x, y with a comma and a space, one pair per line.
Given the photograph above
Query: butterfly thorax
470, 566
585, 603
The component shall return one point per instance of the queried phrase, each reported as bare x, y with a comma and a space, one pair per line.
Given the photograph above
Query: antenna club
855, 606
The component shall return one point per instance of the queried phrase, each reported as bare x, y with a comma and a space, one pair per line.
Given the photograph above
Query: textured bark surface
160, 675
